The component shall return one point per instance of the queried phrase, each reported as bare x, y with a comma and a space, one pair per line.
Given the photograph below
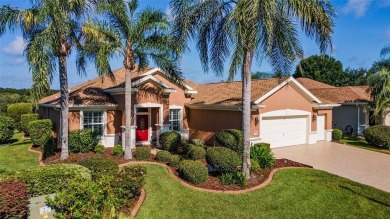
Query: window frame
179, 118
103, 120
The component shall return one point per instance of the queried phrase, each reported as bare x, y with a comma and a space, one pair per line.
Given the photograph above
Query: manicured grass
294, 193
361, 143
16, 155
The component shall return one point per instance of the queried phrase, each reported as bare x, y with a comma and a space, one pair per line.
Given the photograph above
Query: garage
283, 131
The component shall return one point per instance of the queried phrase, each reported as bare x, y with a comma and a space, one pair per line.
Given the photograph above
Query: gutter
222, 107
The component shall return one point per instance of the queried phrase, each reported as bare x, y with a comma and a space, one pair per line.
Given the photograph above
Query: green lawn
16, 155
361, 143
294, 193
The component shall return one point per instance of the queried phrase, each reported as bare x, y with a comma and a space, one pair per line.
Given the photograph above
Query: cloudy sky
362, 29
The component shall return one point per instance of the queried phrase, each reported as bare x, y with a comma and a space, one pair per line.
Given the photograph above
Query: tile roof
229, 93
91, 92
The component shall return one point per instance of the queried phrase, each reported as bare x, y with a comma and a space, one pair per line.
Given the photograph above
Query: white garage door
283, 131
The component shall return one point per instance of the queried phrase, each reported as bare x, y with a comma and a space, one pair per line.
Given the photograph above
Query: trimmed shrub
40, 131
187, 148
337, 134
49, 148
13, 199
83, 141
99, 149
100, 166
378, 136
174, 160
170, 141
16, 110
233, 178
197, 142
230, 138
117, 150
223, 159
6, 128
197, 153
163, 156
263, 155
49, 179
142, 153
193, 171
25, 119
105, 198
255, 166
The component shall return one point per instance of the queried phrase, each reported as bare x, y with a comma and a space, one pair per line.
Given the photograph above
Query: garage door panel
284, 131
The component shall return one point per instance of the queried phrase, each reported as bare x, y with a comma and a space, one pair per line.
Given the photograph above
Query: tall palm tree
51, 28
244, 30
379, 84
138, 37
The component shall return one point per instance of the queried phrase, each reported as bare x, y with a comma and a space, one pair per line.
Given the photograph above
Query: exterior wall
53, 115
387, 119
328, 118
345, 115
288, 98
74, 120
113, 122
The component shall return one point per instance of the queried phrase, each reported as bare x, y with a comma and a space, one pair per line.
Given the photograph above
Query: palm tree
138, 38
243, 30
52, 29
379, 84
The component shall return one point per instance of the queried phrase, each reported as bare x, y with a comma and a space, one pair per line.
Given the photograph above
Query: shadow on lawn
350, 188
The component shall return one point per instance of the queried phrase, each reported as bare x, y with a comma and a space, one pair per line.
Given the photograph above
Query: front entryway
320, 127
142, 131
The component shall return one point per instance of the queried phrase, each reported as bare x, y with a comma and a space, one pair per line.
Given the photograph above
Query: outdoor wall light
314, 117
256, 120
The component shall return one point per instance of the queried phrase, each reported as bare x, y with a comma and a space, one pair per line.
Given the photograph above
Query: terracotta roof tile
91, 92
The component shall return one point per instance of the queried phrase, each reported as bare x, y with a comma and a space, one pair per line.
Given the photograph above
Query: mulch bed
76, 158
259, 177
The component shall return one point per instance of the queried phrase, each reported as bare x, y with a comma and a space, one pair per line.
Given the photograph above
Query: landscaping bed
259, 177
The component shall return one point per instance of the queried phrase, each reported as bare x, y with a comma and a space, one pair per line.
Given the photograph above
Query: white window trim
180, 108
104, 120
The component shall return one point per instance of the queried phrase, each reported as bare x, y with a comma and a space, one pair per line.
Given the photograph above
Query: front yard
294, 193
16, 155
361, 143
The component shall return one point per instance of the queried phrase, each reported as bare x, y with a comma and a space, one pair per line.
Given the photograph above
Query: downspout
358, 120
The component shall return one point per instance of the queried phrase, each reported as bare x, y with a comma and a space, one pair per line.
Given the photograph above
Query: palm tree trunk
246, 112
64, 102
128, 154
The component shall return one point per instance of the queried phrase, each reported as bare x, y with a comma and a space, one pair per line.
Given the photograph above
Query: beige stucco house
285, 111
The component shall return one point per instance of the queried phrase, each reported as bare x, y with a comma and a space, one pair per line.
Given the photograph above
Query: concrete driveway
364, 166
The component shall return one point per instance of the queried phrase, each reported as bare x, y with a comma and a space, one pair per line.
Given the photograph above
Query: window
175, 119
93, 120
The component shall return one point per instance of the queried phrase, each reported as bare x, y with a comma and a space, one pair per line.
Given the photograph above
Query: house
285, 111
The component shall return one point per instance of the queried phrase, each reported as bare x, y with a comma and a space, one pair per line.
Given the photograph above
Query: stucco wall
113, 121
288, 98
74, 120
387, 119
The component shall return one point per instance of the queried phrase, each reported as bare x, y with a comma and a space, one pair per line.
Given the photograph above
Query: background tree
355, 77
246, 30
380, 86
138, 37
265, 75
51, 28
321, 68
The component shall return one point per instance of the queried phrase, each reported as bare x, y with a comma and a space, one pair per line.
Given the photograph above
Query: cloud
384, 3
357, 7
16, 61
16, 47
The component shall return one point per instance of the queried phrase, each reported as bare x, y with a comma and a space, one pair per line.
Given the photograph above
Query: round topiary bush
197, 153
25, 119
193, 171
170, 141
197, 142
163, 156
174, 160
83, 140
100, 166
378, 136
142, 153
337, 134
230, 138
117, 150
255, 166
40, 131
6, 128
16, 110
223, 159
99, 149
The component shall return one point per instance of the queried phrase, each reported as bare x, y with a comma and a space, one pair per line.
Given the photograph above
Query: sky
362, 29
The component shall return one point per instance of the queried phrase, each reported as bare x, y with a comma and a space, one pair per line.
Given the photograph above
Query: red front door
142, 131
